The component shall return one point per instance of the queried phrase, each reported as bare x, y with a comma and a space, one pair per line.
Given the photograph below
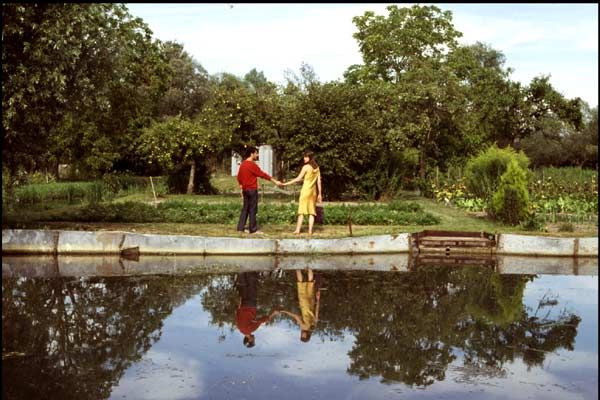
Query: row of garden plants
178, 211
545, 195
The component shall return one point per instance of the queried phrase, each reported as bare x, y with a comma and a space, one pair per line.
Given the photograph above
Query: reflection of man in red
246, 312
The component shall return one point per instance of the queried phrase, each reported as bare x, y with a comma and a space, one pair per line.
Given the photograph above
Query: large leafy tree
408, 48
188, 84
337, 121
399, 42
78, 79
490, 95
178, 142
243, 112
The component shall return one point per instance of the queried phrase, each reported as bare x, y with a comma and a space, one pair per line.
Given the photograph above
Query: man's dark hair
247, 342
249, 150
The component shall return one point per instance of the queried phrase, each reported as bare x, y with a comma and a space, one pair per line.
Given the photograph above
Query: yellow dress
308, 193
306, 298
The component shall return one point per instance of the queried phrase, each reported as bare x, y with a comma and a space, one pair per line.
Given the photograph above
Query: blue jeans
249, 209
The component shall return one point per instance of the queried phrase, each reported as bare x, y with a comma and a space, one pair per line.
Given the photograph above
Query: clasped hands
278, 183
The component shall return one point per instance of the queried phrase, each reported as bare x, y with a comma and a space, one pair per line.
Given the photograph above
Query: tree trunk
190, 187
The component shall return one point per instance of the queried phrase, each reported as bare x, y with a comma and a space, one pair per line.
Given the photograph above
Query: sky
559, 40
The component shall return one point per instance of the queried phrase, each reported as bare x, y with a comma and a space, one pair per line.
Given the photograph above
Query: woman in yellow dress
309, 297
310, 193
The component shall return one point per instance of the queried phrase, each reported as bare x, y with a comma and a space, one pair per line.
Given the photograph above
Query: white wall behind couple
265, 160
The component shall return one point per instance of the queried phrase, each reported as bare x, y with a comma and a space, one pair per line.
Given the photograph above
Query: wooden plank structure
459, 260
431, 241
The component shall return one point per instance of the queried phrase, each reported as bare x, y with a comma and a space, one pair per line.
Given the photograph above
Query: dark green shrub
392, 172
484, 171
511, 201
532, 222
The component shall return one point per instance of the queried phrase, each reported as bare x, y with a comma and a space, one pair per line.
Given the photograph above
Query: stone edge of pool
28, 241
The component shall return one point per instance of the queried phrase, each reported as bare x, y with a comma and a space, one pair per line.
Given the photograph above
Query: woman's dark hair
311, 159
305, 335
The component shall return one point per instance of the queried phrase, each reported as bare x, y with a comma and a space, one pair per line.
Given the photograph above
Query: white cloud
278, 37
161, 375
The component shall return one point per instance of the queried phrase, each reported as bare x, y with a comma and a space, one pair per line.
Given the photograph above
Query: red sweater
246, 320
248, 173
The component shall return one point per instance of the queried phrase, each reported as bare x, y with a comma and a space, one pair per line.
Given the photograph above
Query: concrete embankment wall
112, 265
23, 241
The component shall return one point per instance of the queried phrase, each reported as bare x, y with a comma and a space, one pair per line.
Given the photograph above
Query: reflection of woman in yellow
308, 298
310, 193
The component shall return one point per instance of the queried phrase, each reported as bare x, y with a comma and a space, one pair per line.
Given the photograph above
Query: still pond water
432, 332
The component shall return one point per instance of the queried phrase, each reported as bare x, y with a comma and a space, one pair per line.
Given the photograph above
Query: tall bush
484, 171
511, 201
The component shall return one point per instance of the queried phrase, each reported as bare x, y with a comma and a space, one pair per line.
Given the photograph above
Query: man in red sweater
247, 178
245, 315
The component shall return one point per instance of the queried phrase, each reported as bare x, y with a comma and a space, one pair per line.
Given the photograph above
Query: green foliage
111, 186
39, 177
396, 213
56, 191
175, 141
188, 84
532, 222
243, 111
96, 192
557, 143
113, 212
392, 172
179, 146
177, 180
572, 182
394, 44
484, 171
339, 123
78, 81
86, 84
160, 186
511, 201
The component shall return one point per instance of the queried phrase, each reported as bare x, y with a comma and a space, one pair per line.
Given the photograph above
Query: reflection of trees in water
434, 310
406, 325
77, 337
73, 339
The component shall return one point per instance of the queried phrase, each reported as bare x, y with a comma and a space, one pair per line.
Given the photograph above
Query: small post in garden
153, 192
350, 221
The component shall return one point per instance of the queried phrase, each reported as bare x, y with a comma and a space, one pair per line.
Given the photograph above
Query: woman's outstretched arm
298, 178
296, 317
